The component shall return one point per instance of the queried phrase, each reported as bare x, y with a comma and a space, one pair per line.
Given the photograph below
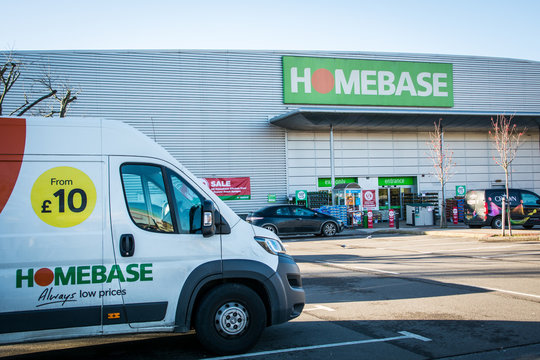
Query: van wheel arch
204, 278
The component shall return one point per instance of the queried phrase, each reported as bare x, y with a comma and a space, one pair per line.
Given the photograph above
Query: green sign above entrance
397, 181
309, 80
327, 182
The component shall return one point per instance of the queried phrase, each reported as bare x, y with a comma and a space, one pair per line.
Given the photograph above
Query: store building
262, 125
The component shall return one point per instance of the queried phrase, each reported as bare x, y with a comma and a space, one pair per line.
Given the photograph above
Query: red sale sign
230, 188
368, 199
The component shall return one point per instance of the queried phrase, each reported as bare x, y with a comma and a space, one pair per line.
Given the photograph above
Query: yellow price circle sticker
63, 196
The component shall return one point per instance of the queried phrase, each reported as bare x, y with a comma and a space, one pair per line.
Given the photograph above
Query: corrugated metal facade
210, 109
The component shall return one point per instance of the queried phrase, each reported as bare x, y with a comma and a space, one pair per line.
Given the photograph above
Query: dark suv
483, 208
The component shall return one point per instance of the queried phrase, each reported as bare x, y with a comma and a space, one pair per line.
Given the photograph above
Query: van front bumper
292, 299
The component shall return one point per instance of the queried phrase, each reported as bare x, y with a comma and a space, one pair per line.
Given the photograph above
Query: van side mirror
208, 221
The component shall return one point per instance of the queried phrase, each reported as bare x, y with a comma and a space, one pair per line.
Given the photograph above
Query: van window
529, 199
146, 197
188, 206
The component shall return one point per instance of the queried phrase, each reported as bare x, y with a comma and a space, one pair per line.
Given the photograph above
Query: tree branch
52, 93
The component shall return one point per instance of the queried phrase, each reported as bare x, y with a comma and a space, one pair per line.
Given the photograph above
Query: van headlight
272, 246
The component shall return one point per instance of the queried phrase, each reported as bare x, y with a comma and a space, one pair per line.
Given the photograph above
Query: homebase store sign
308, 80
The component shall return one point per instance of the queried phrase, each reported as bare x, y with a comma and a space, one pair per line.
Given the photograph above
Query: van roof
81, 136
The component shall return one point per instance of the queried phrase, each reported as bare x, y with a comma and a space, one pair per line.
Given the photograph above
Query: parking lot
378, 297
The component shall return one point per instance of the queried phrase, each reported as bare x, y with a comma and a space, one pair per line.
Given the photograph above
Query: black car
292, 219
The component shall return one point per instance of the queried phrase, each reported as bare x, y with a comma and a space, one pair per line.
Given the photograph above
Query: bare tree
65, 96
507, 139
443, 164
10, 71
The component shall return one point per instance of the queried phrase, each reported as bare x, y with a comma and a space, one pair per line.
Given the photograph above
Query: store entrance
392, 198
391, 194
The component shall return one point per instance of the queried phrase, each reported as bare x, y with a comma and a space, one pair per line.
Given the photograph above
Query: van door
51, 243
157, 237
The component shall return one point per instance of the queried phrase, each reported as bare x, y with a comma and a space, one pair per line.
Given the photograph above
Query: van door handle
127, 245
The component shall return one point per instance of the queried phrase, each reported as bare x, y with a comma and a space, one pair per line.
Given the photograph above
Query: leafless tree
443, 164
10, 71
506, 138
61, 91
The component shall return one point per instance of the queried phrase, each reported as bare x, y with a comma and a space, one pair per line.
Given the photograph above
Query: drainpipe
332, 170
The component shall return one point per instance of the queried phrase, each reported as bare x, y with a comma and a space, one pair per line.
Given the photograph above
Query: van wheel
528, 226
230, 319
496, 223
329, 229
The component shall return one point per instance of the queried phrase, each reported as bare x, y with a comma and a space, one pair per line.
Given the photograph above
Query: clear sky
498, 28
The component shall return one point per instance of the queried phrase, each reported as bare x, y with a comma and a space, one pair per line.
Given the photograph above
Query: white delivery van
104, 232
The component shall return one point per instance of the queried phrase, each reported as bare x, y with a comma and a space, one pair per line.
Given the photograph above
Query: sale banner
238, 188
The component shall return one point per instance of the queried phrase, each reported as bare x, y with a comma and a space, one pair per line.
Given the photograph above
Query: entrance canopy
313, 119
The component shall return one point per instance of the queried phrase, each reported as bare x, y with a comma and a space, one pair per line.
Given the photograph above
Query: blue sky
461, 27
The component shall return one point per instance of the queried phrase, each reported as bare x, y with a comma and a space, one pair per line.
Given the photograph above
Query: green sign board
397, 181
461, 190
309, 80
301, 195
327, 182
271, 198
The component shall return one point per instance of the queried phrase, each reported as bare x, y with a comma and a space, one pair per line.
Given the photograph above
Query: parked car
483, 208
292, 219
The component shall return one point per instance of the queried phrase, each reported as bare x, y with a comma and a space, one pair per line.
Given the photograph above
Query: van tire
528, 226
230, 319
496, 223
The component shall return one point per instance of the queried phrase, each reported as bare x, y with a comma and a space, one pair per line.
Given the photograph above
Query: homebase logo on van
83, 275
308, 80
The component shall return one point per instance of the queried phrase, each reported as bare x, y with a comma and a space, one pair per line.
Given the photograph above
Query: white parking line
510, 292
405, 335
348, 267
375, 270
320, 307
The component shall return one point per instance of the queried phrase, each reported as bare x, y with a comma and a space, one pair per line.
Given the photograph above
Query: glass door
395, 200
383, 198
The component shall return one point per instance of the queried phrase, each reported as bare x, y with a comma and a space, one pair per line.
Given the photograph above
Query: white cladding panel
210, 110
395, 154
